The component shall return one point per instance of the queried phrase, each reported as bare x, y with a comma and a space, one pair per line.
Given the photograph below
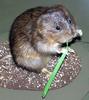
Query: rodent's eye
58, 28
69, 20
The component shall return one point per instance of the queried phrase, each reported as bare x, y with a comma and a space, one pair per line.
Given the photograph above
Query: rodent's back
27, 16
23, 26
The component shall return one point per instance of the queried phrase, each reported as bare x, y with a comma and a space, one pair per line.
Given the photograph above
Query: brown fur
26, 32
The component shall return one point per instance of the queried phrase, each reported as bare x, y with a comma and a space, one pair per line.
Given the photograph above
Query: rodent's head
57, 25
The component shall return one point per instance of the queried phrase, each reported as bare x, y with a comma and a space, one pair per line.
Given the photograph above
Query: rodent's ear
45, 18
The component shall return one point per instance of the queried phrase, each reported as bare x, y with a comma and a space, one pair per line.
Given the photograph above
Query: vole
38, 33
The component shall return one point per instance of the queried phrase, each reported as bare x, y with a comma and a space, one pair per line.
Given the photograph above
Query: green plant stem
57, 67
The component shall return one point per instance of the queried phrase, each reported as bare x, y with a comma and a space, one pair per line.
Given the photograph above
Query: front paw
65, 50
62, 50
70, 50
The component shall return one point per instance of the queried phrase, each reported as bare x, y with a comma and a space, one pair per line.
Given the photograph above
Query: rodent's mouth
65, 40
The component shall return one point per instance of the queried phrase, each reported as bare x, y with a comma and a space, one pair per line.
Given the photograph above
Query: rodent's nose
78, 32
